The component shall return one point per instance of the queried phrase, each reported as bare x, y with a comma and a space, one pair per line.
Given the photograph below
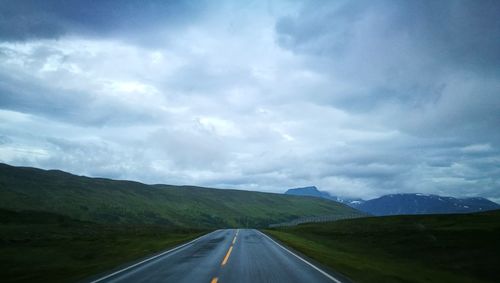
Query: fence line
315, 219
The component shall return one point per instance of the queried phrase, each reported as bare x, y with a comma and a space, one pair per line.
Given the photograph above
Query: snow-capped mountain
312, 191
396, 204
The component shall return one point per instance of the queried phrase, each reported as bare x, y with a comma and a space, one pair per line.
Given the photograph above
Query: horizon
360, 99
284, 191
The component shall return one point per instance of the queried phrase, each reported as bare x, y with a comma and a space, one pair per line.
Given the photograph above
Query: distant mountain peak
311, 191
308, 188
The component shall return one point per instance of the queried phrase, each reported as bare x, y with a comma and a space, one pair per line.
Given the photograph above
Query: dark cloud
397, 52
430, 65
32, 19
455, 32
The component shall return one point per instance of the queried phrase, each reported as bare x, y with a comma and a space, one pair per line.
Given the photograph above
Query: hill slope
111, 201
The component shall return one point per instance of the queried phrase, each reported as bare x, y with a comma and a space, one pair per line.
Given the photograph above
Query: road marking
150, 259
305, 261
234, 240
227, 255
214, 280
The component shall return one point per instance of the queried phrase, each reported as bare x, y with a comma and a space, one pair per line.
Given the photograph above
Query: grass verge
45, 247
420, 248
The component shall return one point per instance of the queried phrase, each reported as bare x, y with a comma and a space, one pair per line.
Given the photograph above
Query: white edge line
305, 261
149, 259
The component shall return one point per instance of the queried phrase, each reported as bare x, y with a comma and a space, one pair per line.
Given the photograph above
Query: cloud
359, 98
77, 85
452, 32
477, 148
31, 19
407, 54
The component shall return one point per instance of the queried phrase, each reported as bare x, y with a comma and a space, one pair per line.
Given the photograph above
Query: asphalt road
230, 255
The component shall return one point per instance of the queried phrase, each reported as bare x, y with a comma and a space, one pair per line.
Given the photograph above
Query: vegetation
45, 247
58, 227
110, 201
419, 248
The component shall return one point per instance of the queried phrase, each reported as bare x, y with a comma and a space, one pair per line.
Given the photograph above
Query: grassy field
111, 201
44, 247
424, 248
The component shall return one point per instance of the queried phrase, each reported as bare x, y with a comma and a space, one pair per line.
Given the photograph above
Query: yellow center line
234, 240
214, 280
227, 255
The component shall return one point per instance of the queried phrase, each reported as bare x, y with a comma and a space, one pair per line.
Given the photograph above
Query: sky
359, 98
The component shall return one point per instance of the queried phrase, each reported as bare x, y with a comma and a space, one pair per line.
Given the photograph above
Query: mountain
113, 201
396, 204
313, 191
352, 202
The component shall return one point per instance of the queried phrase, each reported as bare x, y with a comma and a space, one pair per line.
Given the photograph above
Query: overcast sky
360, 98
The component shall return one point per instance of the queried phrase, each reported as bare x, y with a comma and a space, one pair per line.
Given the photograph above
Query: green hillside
111, 201
416, 248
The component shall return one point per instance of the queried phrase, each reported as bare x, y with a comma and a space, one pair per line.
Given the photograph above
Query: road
229, 255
